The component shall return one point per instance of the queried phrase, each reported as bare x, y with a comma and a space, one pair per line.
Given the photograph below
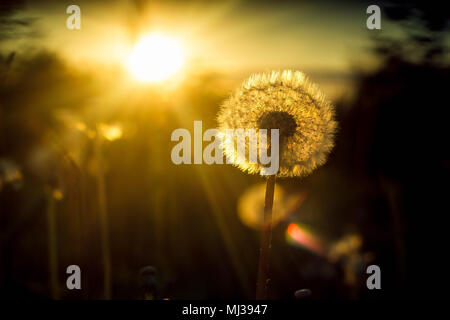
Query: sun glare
155, 58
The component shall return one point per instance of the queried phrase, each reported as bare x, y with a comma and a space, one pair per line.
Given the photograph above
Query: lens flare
298, 235
251, 205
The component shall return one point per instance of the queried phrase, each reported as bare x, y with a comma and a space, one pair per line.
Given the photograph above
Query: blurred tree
397, 134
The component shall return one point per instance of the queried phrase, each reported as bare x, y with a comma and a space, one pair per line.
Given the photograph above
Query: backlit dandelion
289, 102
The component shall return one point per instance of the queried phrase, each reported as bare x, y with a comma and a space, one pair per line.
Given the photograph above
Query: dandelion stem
104, 228
266, 242
52, 247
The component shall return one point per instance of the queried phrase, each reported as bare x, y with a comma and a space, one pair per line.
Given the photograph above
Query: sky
226, 34
323, 39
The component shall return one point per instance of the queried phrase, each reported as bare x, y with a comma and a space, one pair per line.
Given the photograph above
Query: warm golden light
155, 58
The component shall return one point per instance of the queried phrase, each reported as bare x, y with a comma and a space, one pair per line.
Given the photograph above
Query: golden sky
227, 34
325, 40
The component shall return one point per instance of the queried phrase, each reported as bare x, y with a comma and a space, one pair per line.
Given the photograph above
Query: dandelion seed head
278, 120
287, 101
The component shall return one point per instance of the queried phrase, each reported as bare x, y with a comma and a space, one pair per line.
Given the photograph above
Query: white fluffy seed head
289, 93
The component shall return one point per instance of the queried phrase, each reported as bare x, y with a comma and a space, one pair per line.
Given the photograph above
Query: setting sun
155, 58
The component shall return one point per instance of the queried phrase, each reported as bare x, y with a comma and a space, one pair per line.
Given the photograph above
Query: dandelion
286, 101
289, 102
10, 173
149, 282
54, 195
348, 252
103, 215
